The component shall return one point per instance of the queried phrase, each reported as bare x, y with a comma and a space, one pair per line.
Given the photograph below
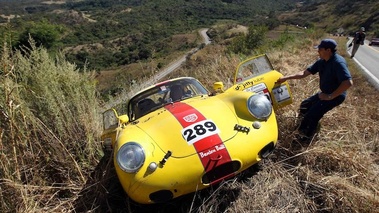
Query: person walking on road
359, 39
334, 81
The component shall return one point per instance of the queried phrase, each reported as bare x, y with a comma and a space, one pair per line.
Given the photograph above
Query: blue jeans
313, 109
355, 48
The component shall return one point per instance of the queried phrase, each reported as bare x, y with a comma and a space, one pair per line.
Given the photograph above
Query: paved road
176, 64
158, 76
367, 57
203, 33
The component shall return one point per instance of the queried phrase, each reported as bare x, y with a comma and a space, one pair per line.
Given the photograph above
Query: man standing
359, 39
335, 79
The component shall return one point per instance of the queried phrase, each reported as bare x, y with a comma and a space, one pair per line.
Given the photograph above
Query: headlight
259, 106
130, 157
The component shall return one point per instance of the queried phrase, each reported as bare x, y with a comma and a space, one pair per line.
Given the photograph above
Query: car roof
159, 83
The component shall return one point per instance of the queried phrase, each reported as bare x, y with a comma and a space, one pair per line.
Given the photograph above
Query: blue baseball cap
327, 44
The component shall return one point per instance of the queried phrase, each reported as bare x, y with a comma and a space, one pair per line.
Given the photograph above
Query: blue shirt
331, 72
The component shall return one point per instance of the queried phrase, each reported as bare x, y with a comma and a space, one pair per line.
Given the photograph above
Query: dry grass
48, 125
43, 170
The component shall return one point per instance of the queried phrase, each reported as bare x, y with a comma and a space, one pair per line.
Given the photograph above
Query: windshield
162, 94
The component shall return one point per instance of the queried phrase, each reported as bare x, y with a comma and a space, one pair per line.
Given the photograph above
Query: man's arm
298, 75
363, 38
345, 85
355, 37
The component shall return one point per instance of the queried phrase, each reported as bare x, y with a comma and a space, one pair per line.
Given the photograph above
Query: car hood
190, 127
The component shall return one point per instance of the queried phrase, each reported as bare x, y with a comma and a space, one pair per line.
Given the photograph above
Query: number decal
199, 130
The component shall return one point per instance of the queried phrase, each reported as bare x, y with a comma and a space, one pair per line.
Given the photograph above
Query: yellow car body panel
197, 141
177, 175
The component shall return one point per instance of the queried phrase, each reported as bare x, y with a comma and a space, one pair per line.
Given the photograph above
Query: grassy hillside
51, 160
337, 16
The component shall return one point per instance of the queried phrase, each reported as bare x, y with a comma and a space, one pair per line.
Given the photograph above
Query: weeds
49, 122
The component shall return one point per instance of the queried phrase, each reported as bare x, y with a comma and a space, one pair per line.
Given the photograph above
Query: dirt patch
239, 29
53, 2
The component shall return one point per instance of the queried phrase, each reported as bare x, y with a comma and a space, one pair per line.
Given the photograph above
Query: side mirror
123, 119
218, 87
111, 119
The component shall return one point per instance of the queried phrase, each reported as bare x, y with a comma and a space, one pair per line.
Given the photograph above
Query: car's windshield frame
161, 94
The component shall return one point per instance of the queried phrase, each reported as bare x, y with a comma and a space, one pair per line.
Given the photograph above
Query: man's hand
281, 80
325, 97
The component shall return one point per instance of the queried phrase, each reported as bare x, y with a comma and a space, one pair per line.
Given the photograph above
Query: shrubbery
48, 127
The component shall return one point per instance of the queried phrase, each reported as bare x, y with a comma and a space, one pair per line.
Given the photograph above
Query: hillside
338, 16
118, 36
51, 159
59, 167
127, 40
114, 33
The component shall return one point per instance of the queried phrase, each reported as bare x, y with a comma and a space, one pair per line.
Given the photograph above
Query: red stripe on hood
211, 150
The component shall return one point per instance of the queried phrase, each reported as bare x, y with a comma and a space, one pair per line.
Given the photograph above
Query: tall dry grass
48, 125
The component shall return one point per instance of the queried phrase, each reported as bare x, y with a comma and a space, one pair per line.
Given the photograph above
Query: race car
177, 137
374, 41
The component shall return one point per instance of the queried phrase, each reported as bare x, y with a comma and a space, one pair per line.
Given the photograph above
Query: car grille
221, 172
161, 196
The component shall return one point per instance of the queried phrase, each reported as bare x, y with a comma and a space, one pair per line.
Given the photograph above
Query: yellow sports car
177, 137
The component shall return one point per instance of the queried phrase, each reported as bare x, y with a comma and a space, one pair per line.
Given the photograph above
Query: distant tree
159, 65
144, 54
247, 43
255, 36
238, 45
80, 58
272, 23
43, 33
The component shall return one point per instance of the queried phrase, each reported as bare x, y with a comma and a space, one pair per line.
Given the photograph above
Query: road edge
370, 77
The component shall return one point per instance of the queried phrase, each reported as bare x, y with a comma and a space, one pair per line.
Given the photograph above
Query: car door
257, 75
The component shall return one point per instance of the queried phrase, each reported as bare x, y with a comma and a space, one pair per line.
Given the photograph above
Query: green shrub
48, 128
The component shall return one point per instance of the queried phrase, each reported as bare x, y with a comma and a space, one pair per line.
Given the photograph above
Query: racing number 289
198, 131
